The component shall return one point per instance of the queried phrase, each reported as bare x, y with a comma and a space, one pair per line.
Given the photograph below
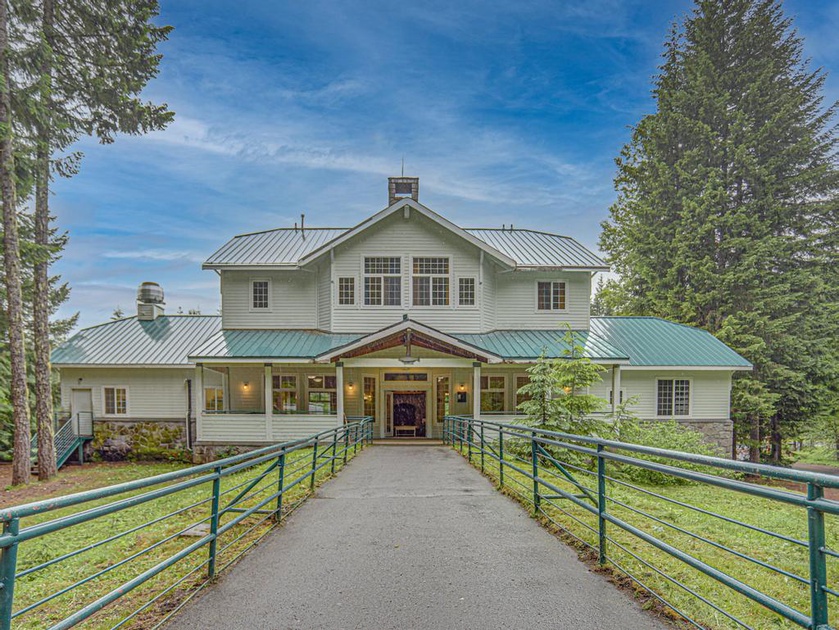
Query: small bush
669, 435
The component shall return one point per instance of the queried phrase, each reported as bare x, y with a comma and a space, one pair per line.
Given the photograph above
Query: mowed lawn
681, 516
86, 561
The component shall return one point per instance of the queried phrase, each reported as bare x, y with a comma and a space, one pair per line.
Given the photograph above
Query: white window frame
295, 390
323, 389
251, 307
690, 397
622, 396
536, 295
431, 277
127, 402
355, 292
514, 386
362, 288
474, 280
223, 399
503, 390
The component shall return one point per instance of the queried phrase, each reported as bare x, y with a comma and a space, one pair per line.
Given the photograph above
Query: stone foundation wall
717, 432
147, 439
211, 451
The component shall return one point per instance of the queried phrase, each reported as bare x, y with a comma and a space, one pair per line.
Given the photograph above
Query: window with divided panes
550, 296
382, 281
284, 393
492, 393
346, 291
431, 281
116, 401
260, 293
673, 397
466, 291
323, 397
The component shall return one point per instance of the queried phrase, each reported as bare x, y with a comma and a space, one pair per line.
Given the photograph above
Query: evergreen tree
556, 398
726, 215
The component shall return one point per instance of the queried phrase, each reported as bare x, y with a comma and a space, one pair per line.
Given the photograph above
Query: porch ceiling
415, 339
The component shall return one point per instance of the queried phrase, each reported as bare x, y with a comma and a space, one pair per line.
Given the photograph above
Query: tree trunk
40, 303
11, 261
775, 440
754, 439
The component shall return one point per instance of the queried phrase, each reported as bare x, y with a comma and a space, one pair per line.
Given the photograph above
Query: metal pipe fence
130, 555
717, 543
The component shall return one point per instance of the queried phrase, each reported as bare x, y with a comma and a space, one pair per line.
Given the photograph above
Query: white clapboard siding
488, 295
295, 426
324, 297
152, 393
293, 300
515, 301
710, 391
406, 238
230, 428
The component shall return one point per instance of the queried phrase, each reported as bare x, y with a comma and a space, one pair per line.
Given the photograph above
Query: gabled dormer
405, 260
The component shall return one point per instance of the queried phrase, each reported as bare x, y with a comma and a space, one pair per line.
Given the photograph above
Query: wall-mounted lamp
246, 385
461, 387
350, 385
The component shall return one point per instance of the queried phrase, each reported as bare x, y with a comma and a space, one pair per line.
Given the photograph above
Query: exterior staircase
68, 439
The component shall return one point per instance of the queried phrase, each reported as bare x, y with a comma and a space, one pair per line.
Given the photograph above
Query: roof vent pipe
149, 301
302, 220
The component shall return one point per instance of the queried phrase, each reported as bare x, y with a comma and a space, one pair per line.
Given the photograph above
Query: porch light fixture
462, 387
246, 385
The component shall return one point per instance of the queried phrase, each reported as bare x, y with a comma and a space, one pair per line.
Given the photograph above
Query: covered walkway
411, 537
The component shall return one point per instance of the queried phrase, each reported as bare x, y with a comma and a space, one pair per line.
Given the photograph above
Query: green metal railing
132, 554
711, 545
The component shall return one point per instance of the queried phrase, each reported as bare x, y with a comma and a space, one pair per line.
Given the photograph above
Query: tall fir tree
726, 216
93, 59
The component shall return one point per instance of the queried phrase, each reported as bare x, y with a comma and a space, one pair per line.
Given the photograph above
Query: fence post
482, 447
354, 439
211, 568
278, 514
469, 431
534, 455
601, 504
346, 443
334, 450
501, 456
314, 465
8, 567
818, 565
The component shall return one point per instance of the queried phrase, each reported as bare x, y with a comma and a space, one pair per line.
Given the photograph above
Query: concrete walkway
411, 537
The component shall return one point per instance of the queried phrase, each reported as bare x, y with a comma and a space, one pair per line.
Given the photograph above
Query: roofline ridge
521, 230
291, 229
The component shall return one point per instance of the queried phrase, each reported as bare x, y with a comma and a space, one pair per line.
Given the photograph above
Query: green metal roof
529, 344
651, 341
182, 339
270, 344
164, 341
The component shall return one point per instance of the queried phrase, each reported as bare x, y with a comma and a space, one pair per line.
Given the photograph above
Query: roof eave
695, 368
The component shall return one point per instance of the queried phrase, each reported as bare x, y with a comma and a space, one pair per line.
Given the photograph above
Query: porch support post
476, 390
339, 387
198, 403
268, 396
616, 388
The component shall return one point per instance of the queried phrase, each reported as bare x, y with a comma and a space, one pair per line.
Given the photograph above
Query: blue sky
507, 111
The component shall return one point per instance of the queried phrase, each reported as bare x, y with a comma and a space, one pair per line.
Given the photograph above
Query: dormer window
260, 294
431, 282
382, 281
550, 296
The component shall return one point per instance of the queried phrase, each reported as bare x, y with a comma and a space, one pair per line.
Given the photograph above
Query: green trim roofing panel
178, 340
529, 344
166, 340
269, 344
651, 341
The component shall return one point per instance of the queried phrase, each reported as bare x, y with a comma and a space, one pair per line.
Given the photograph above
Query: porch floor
411, 537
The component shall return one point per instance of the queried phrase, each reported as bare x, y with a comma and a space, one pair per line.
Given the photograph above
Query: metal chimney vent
149, 301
